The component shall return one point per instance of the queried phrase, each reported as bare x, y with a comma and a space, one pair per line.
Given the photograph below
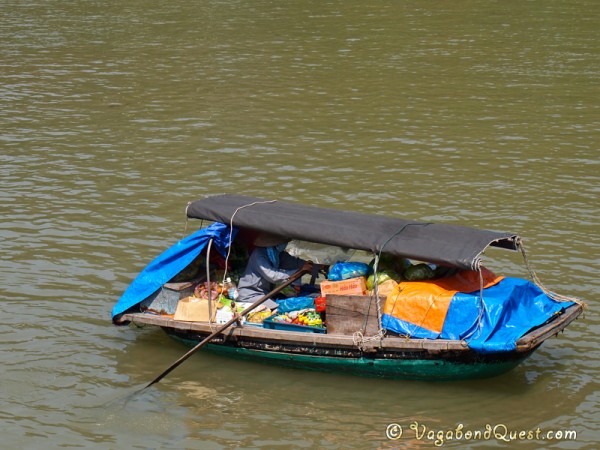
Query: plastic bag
345, 270
294, 304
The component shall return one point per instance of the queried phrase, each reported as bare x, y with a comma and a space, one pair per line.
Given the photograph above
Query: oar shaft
218, 331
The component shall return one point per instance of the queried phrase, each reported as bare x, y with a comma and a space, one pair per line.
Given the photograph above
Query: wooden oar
207, 339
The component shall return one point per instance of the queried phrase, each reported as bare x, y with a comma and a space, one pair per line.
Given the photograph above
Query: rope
481, 309
377, 302
409, 335
432, 303
231, 233
359, 339
381, 332
209, 290
538, 283
228, 247
187, 219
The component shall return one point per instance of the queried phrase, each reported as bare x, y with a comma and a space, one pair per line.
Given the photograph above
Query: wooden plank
291, 337
180, 286
552, 328
348, 314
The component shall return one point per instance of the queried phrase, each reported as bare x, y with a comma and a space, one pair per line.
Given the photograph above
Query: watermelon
418, 272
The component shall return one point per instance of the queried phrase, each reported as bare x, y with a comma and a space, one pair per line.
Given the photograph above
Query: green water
114, 115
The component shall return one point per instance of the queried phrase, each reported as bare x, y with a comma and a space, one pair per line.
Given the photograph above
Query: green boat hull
439, 369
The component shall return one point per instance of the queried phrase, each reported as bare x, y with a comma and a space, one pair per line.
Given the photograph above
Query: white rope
481, 308
538, 283
228, 247
380, 331
409, 335
419, 325
359, 339
187, 219
231, 233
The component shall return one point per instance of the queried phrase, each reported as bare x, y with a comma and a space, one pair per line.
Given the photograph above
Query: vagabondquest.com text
499, 432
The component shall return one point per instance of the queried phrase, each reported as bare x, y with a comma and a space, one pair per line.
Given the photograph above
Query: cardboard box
192, 309
351, 286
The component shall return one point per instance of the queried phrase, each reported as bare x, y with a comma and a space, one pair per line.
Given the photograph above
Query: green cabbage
382, 277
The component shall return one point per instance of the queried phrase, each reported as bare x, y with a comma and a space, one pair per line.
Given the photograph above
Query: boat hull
393, 357
411, 366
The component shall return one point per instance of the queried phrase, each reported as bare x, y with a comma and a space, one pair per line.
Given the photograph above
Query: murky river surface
115, 114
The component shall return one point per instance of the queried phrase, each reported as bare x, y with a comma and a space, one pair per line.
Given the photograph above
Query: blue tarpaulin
170, 263
509, 310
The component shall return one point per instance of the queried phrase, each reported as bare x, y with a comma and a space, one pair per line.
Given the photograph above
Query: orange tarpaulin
426, 303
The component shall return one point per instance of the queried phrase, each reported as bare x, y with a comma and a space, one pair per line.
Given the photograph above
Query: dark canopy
451, 245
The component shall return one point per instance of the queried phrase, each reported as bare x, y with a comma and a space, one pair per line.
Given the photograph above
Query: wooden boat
355, 340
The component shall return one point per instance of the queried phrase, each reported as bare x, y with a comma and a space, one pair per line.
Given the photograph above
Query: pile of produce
306, 317
201, 291
394, 270
258, 316
223, 293
391, 264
